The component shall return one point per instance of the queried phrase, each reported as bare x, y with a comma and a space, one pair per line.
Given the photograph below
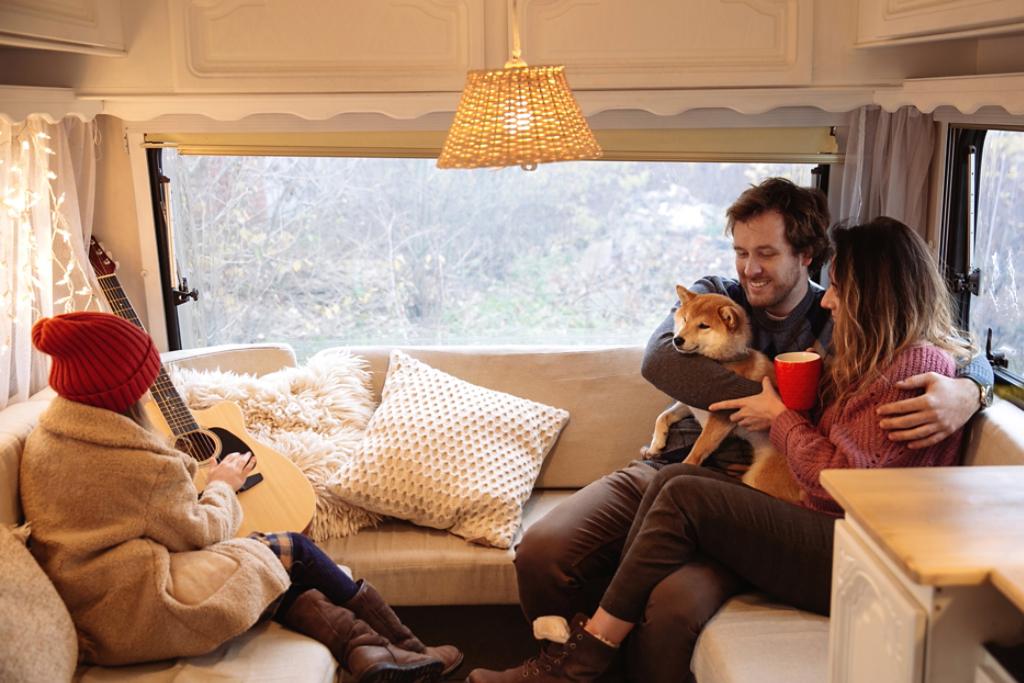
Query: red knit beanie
98, 359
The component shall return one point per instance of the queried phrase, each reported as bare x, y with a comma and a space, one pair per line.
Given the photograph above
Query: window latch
968, 282
182, 293
996, 358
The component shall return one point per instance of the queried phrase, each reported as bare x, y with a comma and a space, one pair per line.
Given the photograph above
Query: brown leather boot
370, 606
363, 652
581, 659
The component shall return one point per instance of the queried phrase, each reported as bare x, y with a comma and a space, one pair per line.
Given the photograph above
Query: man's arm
946, 405
690, 378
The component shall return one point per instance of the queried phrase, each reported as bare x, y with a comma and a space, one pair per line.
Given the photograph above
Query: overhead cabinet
87, 26
892, 22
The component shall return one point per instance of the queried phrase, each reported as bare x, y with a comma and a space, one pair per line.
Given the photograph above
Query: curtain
47, 185
887, 165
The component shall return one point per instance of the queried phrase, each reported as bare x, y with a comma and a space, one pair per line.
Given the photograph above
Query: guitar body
283, 500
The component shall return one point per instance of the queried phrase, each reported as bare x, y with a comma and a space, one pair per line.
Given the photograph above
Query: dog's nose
678, 342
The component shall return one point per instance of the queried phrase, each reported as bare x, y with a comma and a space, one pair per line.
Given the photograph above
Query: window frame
963, 181
819, 147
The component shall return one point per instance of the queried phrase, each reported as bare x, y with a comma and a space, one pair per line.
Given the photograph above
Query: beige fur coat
147, 569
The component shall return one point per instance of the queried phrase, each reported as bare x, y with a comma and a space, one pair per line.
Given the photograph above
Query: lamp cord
517, 52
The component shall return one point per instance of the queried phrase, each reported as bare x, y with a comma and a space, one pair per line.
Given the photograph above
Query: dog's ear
684, 294
731, 317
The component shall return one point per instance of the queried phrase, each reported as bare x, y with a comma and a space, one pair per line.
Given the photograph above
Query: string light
40, 260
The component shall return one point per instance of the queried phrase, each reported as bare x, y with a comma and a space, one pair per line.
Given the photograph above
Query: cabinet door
885, 22
877, 629
70, 25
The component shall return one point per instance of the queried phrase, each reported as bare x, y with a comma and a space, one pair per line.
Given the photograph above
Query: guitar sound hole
199, 445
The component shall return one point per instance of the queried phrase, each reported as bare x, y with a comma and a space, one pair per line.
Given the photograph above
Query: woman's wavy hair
891, 296
804, 212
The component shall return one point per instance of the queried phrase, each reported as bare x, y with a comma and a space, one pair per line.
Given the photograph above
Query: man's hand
754, 412
925, 420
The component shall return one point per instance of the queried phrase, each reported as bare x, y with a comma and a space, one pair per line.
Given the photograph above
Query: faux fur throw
314, 415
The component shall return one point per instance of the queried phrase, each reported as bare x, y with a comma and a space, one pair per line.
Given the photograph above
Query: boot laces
550, 658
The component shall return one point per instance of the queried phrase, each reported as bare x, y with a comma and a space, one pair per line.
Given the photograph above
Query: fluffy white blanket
313, 414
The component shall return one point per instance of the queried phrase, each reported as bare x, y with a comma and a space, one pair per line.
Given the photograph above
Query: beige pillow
36, 634
314, 415
447, 454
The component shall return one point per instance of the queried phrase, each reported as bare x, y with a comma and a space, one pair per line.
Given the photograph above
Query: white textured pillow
447, 454
313, 414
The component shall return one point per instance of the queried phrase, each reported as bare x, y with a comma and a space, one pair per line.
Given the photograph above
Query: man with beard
566, 559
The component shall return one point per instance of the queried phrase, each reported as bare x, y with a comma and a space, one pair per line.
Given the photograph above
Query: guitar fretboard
179, 417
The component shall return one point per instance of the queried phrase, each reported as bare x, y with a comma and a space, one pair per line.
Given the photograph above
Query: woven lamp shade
517, 116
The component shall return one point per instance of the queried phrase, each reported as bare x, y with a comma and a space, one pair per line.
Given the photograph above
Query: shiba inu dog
715, 326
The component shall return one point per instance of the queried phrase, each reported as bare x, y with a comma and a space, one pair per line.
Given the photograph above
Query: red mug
796, 375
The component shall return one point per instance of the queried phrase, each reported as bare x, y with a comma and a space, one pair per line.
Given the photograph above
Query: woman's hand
754, 412
233, 469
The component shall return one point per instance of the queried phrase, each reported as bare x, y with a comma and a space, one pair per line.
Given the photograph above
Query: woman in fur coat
148, 566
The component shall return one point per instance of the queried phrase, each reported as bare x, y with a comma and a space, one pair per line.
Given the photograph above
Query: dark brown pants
566, 561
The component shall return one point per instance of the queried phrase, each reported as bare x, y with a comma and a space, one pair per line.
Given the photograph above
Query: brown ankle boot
370, 606
581, 659
363, 652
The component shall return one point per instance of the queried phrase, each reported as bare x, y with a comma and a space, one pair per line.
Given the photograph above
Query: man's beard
774, 292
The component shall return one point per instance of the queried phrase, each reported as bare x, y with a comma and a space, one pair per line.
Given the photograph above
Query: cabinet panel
656, 43
894, 21
877, 629
384, 45
71, 25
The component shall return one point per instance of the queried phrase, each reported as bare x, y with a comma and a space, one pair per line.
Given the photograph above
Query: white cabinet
885, 628
877, 624
89, 26
890, 22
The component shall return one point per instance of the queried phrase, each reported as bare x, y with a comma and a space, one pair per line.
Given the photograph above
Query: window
985, 241
320, 251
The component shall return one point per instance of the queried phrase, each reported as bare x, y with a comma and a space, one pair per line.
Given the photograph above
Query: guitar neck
179, 417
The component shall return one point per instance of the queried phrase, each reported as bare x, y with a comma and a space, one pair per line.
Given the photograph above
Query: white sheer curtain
886, 168
47, 185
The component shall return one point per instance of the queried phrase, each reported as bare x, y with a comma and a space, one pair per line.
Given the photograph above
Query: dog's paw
648, 452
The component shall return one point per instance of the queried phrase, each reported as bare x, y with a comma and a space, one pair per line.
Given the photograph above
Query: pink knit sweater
851, 437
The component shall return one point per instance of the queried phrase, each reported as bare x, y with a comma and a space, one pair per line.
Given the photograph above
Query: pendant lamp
517, 116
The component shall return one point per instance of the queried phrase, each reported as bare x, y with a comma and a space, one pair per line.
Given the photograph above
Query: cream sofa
612, 410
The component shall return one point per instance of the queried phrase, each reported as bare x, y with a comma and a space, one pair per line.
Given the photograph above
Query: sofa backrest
611, 407
996, 436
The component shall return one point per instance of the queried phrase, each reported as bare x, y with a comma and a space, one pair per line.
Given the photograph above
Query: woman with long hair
146, 564
892, 320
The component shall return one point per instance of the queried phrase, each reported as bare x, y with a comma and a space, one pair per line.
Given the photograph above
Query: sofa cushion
37, 635
411, 565
753, 639
613, 407
448, 454
16, 421
266, 652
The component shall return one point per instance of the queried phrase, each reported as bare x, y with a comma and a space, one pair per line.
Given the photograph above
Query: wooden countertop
945, 526
1010, 582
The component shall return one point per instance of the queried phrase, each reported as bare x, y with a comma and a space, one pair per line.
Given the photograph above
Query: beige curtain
47, 182
886, 168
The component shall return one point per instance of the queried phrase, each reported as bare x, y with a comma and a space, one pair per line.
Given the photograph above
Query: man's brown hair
804, 211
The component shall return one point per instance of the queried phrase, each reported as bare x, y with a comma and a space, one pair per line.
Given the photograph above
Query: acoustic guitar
277, 496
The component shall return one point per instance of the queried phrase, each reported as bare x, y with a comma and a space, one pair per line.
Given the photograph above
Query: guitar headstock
100, 259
